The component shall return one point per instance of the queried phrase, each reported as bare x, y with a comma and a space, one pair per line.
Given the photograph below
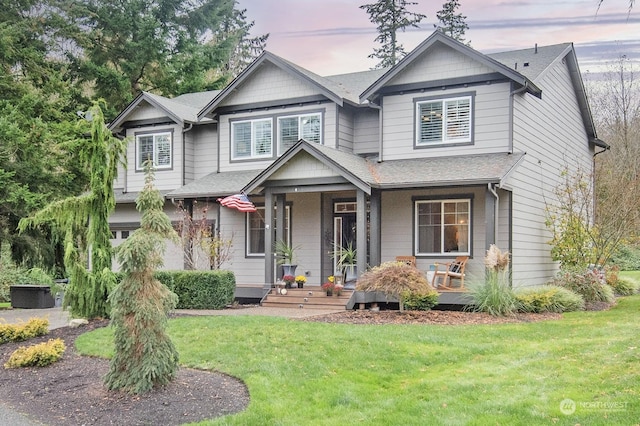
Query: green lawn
301, 373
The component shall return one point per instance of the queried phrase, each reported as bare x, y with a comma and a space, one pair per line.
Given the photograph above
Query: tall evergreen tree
144, 354
390, 16
81, 222
38, 138
168, 47
451, 23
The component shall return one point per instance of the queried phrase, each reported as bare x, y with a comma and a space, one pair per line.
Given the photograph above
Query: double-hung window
293, 128
255, 230
251, 139
443, 121
155, 147
442, 226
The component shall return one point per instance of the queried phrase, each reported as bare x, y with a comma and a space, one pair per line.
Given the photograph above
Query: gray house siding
490, 123
205, 142
366, 131
551, 140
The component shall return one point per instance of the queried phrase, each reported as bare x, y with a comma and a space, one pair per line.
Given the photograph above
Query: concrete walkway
59, 318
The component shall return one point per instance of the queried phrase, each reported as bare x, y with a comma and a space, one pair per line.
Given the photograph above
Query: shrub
394, 279
627, 257
548, 298
39, 355
11, 274
204, 289
586, 284
19, 332
419, 300
494, 295
625, 287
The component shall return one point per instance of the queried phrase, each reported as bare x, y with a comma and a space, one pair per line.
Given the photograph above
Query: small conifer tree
144, 354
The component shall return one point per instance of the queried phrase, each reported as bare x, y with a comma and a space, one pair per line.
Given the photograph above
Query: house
447, 152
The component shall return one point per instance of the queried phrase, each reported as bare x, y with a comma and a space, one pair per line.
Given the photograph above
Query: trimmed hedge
198, 289
203, 289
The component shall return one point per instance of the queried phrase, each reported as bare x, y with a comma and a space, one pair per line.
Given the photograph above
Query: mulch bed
71, 392
427, 317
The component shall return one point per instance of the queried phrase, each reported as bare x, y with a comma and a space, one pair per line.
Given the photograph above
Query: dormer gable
305, 85
419, 70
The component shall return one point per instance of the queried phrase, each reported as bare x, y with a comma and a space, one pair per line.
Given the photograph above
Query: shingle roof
476, 169
531, 62
130, 197
215, 185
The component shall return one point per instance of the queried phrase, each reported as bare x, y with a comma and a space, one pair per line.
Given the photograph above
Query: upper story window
251, 139
293, 128
442, 226
155, 147
443, 121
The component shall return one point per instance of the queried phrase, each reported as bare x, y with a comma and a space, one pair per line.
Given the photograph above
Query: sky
335, 36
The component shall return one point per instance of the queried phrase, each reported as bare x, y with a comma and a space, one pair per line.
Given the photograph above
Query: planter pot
329, 293
288, 269
300, 285
350, 276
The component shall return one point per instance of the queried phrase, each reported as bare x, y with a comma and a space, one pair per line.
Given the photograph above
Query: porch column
361, 230
490, 218
281, 200
268, 239
375, 235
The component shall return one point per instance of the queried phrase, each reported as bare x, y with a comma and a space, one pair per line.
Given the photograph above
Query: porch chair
409, 260
453, 270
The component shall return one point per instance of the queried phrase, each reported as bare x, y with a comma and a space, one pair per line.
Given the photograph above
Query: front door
344, 230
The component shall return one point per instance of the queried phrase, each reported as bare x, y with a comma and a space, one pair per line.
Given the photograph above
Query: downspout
511, 109
184, 152
379, 108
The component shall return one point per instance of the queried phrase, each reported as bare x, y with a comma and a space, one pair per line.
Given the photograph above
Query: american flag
239, 202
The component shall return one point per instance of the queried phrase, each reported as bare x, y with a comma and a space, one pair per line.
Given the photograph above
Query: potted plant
300, 280
328, 286
285, 254
288, 280
347, 259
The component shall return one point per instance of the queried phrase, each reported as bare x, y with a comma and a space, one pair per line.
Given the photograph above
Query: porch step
308, 298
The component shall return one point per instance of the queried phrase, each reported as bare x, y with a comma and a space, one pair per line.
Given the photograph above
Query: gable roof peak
439, 38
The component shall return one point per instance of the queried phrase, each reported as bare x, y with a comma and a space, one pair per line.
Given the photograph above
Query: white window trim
442, 226
300, 136
253, 154
248, 230
140, 161
444, 139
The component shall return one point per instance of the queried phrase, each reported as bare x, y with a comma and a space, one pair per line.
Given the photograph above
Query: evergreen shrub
39, 355
420, 300
18, 332
548, 298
